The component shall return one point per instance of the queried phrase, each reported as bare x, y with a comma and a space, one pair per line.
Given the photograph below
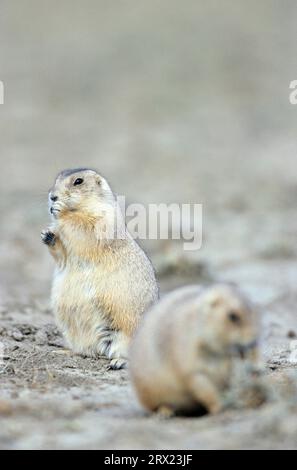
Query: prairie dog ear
102, 182
98, 179
214, 299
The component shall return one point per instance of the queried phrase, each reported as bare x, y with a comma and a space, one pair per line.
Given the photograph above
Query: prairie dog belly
88, 299
77, 310
76, 288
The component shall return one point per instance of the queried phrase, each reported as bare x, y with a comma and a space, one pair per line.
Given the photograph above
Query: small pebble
17, 335
41, 337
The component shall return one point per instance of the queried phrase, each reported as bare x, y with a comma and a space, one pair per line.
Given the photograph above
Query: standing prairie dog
103, 281
182, 354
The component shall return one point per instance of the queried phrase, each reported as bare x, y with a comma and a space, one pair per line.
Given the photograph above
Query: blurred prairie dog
103, 280
182, 354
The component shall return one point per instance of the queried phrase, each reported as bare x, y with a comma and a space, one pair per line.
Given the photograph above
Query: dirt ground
173, 102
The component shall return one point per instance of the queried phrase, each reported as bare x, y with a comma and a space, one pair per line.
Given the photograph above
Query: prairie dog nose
53, 197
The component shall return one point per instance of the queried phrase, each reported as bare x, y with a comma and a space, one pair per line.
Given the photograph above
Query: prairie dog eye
78, 181
234, 317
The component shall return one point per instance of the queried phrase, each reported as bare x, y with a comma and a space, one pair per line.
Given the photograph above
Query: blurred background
172, 102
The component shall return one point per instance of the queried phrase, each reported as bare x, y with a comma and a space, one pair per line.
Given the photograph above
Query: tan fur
183, 352
102, 285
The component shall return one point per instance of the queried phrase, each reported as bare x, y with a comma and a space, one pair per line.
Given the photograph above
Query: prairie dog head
230, 323
84, 198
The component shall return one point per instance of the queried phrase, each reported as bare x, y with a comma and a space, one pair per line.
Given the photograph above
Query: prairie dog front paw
117, 364
48, 237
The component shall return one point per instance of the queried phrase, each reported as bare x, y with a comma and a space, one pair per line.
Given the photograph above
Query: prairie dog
103, 281
182, 354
